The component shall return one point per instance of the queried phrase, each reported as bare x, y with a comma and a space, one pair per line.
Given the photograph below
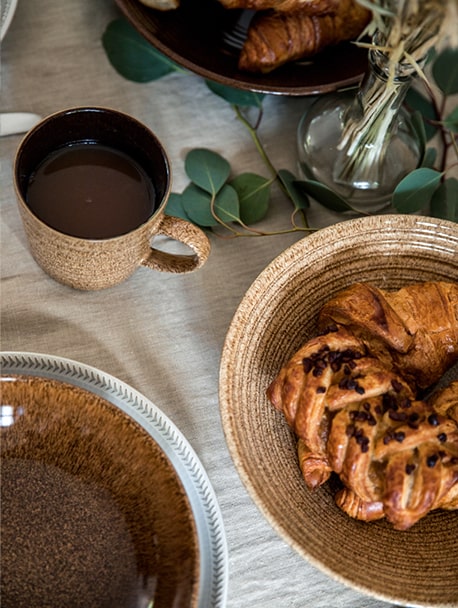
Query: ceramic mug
88, 258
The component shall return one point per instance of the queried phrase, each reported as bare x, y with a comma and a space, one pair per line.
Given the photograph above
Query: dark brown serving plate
192, 36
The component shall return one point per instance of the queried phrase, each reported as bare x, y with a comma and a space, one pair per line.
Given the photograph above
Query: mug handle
185, 232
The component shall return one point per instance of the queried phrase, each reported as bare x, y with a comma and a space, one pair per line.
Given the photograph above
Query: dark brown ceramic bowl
192, 37
93, 512
416, 567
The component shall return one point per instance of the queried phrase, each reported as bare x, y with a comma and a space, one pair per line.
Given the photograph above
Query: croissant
162, 5
277, 37
311, 6
446, 401
414, 329
350, 395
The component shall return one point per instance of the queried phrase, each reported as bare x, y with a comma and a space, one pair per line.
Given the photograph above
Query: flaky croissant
350, 395
414, 329
313, 7
277, 37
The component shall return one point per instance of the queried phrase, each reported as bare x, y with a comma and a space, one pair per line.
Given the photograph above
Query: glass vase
361, 145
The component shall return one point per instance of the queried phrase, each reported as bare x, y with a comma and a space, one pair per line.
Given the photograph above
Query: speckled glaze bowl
93, 512
87, 263
418, 567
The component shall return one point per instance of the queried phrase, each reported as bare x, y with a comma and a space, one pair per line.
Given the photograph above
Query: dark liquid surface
91, 191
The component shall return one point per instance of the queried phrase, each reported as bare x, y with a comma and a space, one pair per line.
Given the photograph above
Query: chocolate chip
389, 402
320, 389
350, 430
431, 460
433, 420
410, 468
442, 437
399, 436
307, 364
397, 386
413, 420
397, 415
343, 383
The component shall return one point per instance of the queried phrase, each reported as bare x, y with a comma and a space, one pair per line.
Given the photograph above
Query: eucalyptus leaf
414, 192
419, 103
253, 193
444, 202
418, 126
445, 71
324, 195
234, 96
132, 56
297, 196
197, 204
451, 121
429, 158
207, 169
175, 206
227, 206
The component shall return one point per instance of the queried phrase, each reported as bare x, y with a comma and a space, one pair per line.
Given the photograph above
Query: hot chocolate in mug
92, 184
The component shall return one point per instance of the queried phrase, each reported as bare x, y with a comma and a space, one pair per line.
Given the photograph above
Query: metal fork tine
235, 36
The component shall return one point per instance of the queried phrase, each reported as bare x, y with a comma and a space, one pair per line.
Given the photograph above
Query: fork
234, 38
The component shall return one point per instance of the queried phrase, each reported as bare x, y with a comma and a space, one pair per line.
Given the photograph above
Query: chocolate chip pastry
352, 397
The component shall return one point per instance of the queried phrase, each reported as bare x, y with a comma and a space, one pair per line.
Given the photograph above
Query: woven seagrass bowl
417, 567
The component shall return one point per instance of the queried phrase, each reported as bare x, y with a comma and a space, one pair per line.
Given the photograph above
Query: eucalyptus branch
253, 131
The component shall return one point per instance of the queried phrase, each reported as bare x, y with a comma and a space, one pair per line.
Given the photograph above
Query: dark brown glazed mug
97, 263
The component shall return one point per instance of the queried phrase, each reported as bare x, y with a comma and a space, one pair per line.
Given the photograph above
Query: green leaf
418, 126
207, 169
253, 193
445, 71
451, 121
429, 158
324, 195
227, 206
131, 55
444, 202
236, 97
298, 198
414, 192
197, 205
175, 206
419, 103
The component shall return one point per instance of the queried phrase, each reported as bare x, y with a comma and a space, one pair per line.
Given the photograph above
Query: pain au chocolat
353, 396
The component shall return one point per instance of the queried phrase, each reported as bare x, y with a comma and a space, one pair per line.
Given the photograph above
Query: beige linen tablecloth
162, 334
